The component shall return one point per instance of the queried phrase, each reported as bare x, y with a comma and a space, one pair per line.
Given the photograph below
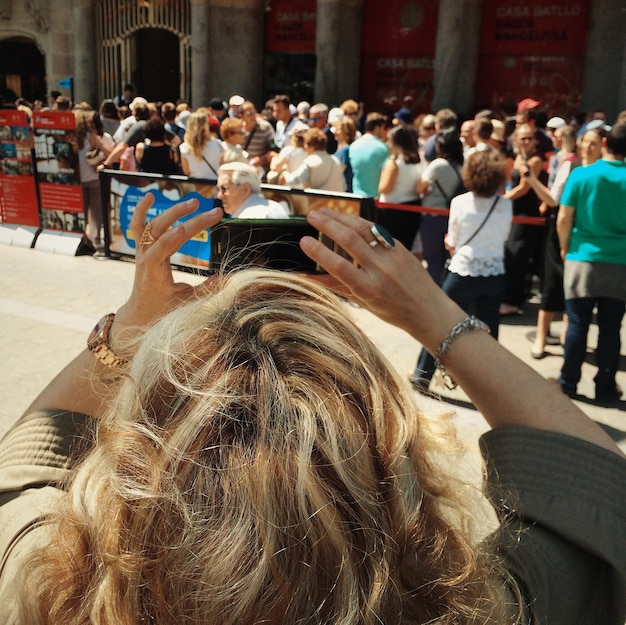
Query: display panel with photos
124, 190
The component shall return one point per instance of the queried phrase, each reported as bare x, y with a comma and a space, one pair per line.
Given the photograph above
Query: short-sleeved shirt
367, 156
598, 195
136, 133
262, 139
448, 177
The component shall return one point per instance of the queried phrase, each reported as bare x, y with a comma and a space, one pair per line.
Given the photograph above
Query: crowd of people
482, 172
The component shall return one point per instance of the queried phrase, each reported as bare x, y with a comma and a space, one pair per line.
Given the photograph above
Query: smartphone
269, 243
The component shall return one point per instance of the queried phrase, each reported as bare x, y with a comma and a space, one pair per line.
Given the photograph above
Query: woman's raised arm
392, 284
82, 385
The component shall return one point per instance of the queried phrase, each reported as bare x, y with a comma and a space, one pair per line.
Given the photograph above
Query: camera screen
269, 243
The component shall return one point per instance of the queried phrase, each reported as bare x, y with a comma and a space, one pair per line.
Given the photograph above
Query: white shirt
123, 128
283, 133
198, 167
484, 255
258, 207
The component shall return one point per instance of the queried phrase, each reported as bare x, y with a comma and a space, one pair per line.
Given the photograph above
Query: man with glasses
527, 110
318, 118
239, 189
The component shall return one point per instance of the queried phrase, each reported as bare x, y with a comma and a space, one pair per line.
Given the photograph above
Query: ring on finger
147, 238
382, 236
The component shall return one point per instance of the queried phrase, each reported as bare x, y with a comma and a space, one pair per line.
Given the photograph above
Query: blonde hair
348, 127
262, 463
349, 106
197, 134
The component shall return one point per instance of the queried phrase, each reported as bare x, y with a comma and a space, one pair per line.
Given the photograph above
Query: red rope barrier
428, 210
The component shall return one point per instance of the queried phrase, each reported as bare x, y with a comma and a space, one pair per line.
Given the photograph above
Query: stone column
200, 54
604, 78
456, 55
235, 46
85, 52
338, 50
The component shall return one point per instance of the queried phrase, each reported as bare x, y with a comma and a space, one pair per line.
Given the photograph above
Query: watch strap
98, 344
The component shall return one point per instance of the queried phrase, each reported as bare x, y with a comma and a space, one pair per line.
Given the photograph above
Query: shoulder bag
210, 166
459, 186
484, 221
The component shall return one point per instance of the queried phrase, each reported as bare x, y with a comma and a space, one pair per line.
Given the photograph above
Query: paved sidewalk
50, 302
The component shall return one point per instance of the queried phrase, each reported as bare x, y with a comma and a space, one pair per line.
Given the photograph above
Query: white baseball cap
136, 101
556, 122
335, 114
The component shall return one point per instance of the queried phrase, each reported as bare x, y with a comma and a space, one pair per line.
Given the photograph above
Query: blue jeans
609, 317
479, 296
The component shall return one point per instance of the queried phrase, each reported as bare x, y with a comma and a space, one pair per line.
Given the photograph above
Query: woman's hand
83, 385
391, 283
155, 293
422, 187
524, 170
446, 241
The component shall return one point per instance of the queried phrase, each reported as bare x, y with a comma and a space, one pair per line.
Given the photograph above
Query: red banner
532, 48
536, 27
398, 51
290, 26
18, 197
58, 175
400, 27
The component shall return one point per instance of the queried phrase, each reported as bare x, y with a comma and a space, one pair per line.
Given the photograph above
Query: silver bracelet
467, 325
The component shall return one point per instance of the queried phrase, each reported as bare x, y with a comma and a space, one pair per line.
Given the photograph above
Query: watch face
96, 330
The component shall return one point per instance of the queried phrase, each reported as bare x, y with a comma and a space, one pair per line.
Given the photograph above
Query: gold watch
98, 343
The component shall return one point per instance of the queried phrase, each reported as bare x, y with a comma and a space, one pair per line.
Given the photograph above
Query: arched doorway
147, 44
22, 71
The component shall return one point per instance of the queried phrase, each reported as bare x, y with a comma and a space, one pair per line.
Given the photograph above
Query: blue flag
66, 83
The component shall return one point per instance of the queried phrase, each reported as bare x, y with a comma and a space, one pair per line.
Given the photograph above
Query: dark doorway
291, 73
22, 71
157, 64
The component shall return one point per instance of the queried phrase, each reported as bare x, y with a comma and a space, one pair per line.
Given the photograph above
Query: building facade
465, 54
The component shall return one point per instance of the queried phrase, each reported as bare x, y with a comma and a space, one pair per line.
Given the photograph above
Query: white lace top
484, 255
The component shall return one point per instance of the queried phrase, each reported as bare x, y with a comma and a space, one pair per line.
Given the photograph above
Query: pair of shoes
508, 309
610, 395
566, 390
419, 384
538, 355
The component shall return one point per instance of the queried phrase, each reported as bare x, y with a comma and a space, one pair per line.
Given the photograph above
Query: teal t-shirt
598, 195
367, 157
